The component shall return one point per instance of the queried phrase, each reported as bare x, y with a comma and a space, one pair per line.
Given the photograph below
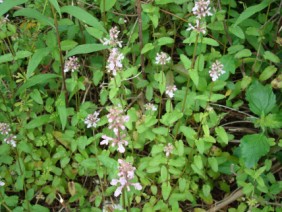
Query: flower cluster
126, 174
150, 106
71, 64
200, 10
170, 89
114, 62
116, 121
216, 70
1, 1
113, 40
92, 120
168, 149
5, 130
162, 58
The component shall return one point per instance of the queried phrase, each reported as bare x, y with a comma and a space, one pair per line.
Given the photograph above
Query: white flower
2, 183
92, 120
4, 129
216, 70
170, 89
202, 9
162, 58
168, 149
71, 64
113, 40
150, 106
11, 140
1, 1
114, 63
197, 27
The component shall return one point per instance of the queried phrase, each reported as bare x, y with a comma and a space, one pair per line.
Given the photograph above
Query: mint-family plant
119, 105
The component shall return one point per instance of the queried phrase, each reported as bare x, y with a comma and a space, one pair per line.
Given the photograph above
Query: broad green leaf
35, 80
222, 135
161, 131
56, 6
94, 32
89, 163
252, 148
86, 48
228, 63
62, 110
35, 60
166, 189
7, 5
237, 31
68, 45
106, 5
251, 11
164, 174
147, 47
186, 61
11, 201
36, 96
209, 41
243, 53
206, 190
83, 16
267, 73
169, 118
193, 73
213, 164
38, 121
271, 57
19, 55
32, 13
164, 41
261, 98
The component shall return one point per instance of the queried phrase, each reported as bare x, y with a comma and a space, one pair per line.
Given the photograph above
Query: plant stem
139, 10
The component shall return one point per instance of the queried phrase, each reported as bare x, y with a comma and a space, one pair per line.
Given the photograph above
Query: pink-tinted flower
162, 58
168, 149
202, 9
4, 129
170, 89
126, 173
116, 119
216, 70
114, 63
198, 28
113, 40
71, 64
10, 140
119, 142
92, 120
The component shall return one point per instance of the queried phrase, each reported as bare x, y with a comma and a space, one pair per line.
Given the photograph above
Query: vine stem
60, 52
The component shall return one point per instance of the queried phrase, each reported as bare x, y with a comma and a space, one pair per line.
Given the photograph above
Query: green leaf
252, 148
164, 41
32, 13
36, 59
186, 61
11, 201
62, 110
7, 5
164, 1
19, 55
86, 48
222, 135
83, 16
38, 122
94, 32
243, 53
193, 73
228, 63
209, 41
213, 164
106, 5
267, 73
271, 57
35, 80
56, 6
164, 174
68, 44
166, 189
237, 31
169, 118
261, 98
36, 96
161, 131
251, 11
147, 47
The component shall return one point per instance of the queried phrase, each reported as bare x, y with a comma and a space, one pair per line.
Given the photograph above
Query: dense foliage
132, 105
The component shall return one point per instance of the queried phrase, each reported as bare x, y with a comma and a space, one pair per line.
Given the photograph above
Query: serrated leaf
261, 98
86, 48
186, 61
252, 148
221, 134
83, 16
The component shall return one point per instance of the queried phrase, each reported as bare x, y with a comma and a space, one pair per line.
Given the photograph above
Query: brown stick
138, 5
